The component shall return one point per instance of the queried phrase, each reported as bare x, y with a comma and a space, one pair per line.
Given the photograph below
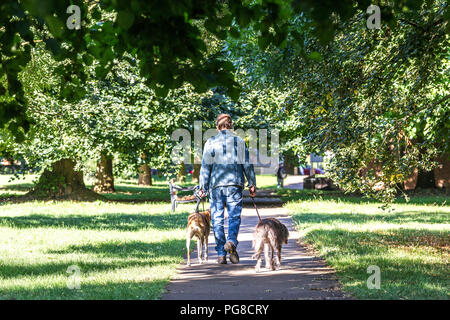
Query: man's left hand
201, 193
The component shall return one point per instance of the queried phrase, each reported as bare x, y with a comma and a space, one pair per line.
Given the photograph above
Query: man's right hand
252, 191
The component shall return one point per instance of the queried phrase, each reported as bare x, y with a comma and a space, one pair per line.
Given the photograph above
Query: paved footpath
294, 182
302, 276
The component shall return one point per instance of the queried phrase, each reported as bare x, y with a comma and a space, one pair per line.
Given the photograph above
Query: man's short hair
223, 121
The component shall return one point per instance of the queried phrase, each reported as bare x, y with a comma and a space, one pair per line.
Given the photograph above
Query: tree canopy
377, 100
164, 36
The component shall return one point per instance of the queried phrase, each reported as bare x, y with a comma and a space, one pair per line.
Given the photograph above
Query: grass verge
410, 244
123, 251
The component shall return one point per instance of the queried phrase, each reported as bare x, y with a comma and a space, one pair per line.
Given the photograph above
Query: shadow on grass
420, 197
128, 290
21, 186
12, 192
124, 255
408, 275
112, 221
131, 192
133, 249
388, 217
6, 198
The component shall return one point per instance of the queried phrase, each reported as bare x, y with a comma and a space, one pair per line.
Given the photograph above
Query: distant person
281, 175
225, 163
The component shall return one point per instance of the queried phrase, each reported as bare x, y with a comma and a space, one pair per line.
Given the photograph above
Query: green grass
129, 190
266, 181
124, 251
423, 196
410, 243
11, 186
129, 250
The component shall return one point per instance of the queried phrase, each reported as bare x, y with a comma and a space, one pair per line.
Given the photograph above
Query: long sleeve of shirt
206, 168
249, 170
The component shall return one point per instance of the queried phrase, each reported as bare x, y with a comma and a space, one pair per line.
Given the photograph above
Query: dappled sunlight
410, 245
121, 283
124, 222
126, 251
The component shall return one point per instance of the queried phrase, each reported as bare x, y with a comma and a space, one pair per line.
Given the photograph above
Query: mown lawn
410, 243
13, 186
123, 251
125, 248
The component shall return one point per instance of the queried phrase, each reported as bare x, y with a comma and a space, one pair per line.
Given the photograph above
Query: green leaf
125, 19
315, 56
53, 45
55, 25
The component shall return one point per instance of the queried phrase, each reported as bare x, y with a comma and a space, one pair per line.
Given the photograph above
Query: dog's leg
188, 247
272, 251
258, 262
258, 249
199, 250
275, 247
279, 256
202, 247
269, 264
206, 247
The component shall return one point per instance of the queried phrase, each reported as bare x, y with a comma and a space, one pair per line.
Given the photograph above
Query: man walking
224, 164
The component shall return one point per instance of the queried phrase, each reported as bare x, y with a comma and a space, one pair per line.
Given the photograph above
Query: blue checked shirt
225, 162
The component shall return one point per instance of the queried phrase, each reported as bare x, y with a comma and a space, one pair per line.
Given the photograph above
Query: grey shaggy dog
270, 234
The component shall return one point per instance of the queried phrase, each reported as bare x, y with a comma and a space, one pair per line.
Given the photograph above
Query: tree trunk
61, 181
104, 178
411, 182
181, 177
196, 173
425, 179
442, 172
145, 175
290, 163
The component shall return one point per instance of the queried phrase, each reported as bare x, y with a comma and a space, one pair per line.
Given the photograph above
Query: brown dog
269, 234
199, 226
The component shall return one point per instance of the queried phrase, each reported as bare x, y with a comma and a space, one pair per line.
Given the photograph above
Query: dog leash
257, 212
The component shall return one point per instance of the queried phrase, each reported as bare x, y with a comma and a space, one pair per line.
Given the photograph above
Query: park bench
175, 199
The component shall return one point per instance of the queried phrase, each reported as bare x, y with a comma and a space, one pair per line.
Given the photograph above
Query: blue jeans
231, 197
